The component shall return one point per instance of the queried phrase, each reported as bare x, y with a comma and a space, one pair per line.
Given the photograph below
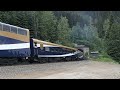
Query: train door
33, 48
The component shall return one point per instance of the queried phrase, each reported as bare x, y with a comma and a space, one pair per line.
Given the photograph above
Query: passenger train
15, 42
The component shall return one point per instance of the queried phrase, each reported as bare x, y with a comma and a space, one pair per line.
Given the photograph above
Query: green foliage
47, 26
76, 33
87, 35
72, 16
63, 31
104, 59
113, 42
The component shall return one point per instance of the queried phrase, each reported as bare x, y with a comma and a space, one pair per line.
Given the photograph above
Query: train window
47, 49
14, 30
22, 31
52, 49
43, 48
6, 28
35, 45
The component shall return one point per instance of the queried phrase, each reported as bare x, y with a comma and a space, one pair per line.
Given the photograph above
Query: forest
99, 30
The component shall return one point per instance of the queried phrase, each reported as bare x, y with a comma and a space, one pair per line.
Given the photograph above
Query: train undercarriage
14, 61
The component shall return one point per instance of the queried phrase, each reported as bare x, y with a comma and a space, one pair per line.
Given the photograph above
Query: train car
43, 49
14, 41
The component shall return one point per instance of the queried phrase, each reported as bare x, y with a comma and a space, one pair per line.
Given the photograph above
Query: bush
105, 58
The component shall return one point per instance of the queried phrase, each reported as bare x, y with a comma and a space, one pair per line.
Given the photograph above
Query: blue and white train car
14, 41
45, 49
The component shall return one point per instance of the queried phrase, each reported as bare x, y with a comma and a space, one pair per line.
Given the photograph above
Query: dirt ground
62, 70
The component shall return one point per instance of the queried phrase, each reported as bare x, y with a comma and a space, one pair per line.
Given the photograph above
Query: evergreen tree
76, 33
63, 31
47, 26
113, 42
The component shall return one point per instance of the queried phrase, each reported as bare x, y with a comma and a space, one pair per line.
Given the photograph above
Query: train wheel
20, 60
31, 60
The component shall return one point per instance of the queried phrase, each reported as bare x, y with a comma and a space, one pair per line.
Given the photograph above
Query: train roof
49, 43
14, 26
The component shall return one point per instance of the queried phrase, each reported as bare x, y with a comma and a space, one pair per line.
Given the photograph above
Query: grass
103, 58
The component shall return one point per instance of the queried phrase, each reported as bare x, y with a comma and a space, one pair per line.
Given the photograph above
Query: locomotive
15, 42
